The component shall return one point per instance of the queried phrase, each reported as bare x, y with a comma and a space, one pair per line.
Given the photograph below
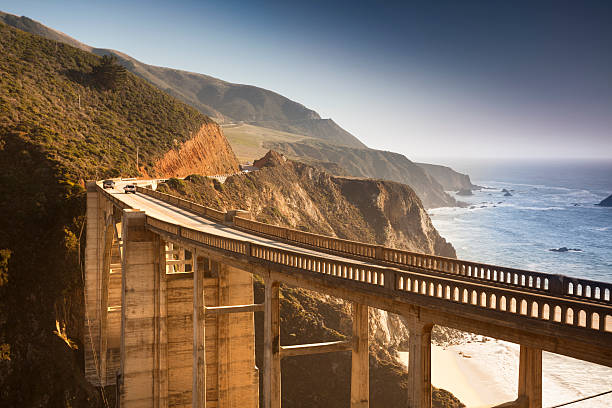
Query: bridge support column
272, 357
199, 348
530, 376
419, 364
160, 386
138, 348
360, 368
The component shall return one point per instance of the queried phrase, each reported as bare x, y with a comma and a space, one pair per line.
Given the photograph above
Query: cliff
449, 178
59, 126
286, 192
368, 163
289, 193
607, 202
206, 152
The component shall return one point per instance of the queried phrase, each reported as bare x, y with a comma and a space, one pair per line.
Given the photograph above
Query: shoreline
484, 373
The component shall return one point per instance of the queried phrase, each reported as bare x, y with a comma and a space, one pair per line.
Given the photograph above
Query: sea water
551, 205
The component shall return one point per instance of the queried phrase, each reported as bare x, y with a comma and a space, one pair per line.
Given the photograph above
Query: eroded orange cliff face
207, 153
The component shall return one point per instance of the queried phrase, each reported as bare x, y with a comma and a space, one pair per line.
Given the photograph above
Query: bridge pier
199, 346
530, 376
138, 346
419, 363
272, 356
360, 358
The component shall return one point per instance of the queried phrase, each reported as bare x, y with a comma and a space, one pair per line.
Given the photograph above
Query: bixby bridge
169, 301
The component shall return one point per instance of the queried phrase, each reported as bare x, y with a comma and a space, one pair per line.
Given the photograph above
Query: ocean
551, 205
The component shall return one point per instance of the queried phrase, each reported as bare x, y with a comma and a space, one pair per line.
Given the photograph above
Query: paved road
167, 212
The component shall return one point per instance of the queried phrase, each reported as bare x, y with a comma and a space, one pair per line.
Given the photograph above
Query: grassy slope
247, 141
48, 143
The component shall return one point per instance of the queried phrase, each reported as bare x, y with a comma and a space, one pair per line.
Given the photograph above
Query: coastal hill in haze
223, 101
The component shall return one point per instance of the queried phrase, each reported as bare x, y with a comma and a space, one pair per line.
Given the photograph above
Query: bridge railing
554, 284
417, 287
196, 208
534, 281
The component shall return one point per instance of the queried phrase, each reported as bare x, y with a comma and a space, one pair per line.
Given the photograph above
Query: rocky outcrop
271, 159
289, 193
206, 152
465, 192
450, 179
606, 202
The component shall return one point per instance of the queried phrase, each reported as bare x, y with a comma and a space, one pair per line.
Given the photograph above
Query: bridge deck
577, 327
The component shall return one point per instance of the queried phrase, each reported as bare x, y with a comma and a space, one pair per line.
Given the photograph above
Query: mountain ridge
234, 102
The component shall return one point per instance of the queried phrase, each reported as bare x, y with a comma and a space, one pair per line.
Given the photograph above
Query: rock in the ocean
505, 191
607, 202
465, 192
565, 249
507, 194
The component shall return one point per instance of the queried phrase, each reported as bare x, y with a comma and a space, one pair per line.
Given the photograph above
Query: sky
429, 79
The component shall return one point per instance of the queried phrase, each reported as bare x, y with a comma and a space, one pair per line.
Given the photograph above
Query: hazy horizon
469, 80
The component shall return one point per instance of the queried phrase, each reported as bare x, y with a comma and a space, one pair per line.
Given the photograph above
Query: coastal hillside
448, 178
224, 101
293, 194
65, 116
367, 163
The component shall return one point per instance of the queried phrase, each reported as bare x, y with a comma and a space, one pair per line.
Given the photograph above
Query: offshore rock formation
206, 152
607, 202
450, 179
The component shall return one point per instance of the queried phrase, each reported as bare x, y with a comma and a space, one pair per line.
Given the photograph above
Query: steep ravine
294, 194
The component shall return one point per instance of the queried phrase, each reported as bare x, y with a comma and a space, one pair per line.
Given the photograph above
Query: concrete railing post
360, 368
530, 376
419, 364
272, 359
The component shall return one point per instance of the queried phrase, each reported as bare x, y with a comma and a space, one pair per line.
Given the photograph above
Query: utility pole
137, 168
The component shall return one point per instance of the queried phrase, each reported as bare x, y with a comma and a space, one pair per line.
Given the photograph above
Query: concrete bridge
169, 301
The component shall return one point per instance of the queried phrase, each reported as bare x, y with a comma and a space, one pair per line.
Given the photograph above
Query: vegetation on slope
58, 126
50, 96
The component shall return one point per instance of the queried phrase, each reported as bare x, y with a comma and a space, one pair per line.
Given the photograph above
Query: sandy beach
484, 373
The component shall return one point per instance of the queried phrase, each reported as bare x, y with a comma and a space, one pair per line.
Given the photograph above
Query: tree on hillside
109, 74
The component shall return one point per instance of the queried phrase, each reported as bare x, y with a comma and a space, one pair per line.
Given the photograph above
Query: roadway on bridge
169, 213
